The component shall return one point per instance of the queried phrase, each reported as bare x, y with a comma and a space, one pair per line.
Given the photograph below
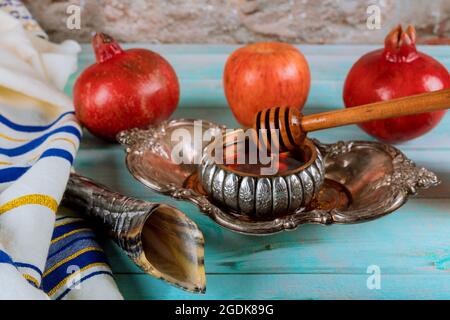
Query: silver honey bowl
245, 191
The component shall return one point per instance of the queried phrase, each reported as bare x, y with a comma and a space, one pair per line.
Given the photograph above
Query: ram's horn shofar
159, 238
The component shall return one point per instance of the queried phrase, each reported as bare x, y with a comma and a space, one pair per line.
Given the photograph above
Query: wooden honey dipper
293, 126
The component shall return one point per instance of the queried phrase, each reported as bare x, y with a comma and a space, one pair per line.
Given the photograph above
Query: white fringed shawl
39, 138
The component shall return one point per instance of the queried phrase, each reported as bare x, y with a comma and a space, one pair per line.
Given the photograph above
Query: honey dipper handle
421, 103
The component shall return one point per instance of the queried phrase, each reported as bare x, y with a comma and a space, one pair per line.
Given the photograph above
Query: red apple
124, 89
264, 75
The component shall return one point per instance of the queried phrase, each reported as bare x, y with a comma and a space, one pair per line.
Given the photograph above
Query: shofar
159, 238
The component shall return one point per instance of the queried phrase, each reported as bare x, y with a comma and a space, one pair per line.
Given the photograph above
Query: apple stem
105, 47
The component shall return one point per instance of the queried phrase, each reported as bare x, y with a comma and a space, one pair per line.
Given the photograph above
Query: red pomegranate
396, 71
124, 89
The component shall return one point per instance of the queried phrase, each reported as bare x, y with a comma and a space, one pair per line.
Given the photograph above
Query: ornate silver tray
363, 180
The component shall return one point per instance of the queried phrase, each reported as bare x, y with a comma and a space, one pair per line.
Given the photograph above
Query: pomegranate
124, 89
263, 75
396, 71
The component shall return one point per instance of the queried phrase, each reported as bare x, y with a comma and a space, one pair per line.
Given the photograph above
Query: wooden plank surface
411, 247
292, 286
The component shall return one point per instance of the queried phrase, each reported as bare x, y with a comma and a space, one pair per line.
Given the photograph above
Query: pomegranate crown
105, 47
400, 45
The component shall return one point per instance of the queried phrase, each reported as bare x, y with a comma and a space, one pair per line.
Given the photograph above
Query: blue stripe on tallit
60, 297
58, 153
71, 238
25, 128
62, 245
69, 227
14, 173
33, 144
5, 258
68, 246
67, 251
28, 266
58, 275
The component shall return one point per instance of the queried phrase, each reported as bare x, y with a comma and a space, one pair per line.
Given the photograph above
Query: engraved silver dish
363, 180
257, 195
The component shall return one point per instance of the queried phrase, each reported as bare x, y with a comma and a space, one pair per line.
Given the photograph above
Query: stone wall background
242, 21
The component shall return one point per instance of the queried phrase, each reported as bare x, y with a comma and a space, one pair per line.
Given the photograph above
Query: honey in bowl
283, 164
243, 158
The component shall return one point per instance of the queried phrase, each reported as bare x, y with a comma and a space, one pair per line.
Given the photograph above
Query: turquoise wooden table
410, 248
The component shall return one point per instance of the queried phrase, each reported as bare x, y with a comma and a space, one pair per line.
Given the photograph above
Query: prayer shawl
45, 252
